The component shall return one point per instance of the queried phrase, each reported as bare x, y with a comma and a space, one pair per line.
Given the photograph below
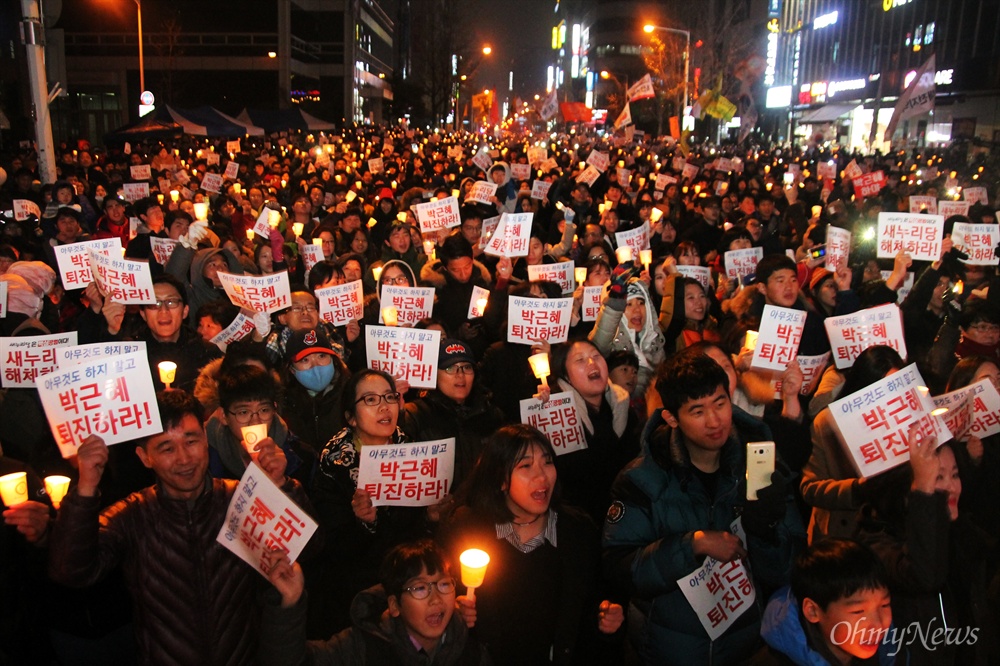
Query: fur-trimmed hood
433, 274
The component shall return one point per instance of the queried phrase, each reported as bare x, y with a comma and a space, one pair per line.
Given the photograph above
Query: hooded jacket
611, 333
506, 190
227, 459
188, 266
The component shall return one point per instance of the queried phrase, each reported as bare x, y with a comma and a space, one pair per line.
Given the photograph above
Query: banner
920, 236
415, 474
624, 118
549, 109
559, 419
641, 89
918, 98
24, 359
576, 112
410, 354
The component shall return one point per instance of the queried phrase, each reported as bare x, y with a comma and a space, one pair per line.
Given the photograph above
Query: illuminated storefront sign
779, 97
942, 77
825, 20
892, 4
840, 86
773, 28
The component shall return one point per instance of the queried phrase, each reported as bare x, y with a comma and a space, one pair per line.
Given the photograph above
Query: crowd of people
589, 549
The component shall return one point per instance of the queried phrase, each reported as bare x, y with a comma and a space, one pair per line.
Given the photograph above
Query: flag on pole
624, 118
918, 98
748, 116
551, 106
642, 89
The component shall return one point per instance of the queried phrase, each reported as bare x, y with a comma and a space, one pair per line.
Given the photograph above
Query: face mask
316, 378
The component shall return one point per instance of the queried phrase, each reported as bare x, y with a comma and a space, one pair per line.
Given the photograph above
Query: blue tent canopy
207, 121
276, 120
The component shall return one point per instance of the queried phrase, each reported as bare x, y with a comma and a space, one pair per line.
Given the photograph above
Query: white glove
569, 214
262, 321
196, 232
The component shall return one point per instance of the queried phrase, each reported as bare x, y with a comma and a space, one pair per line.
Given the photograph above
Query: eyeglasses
246, 415
300, 309
402, 279
170, 304
374, 399
445, 587
463, 368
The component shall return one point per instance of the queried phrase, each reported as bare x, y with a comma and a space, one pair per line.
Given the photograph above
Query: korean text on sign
341, 304
533, 319
740, 263
978, 241
412, 303
410, 354
413, 474
852, 334
162, 249
77, 354
511, 236
74, 260
779, 337
540, 189
24, 359
637, 239
561, 273
838, 247
559, 419
703, 274
869, 184
437, 215
920, 236
482, 192
261, 518
125, 281
259, 293
112, 397
476, 308
591, 303
958, 418
985, 409
238, 329
874, 423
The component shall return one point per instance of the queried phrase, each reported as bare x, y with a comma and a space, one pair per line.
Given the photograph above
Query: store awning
825, 114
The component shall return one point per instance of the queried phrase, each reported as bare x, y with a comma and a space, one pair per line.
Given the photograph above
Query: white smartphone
760, 466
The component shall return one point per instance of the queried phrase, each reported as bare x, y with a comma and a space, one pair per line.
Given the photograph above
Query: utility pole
34, 45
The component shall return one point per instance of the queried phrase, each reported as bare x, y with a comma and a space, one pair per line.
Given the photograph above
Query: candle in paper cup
175, 196
14, 488
318, 242
601, 207
390, 316
751, 340
816, 210
237, 188
201, 211
474, 563
455, 193
580, 274
372, 222
655, 214
168, 370
358, 184
252, 434
351, 196
540, 366
297, 228
377, 272
56, 487
428, 247
273, 219
401, 216
481, 305
159, 199
623, 254
646, 258
250, 235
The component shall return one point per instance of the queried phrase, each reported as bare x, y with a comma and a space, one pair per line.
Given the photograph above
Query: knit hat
818, 276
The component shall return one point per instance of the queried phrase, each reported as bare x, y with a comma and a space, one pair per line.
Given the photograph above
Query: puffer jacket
611, 333
194, 601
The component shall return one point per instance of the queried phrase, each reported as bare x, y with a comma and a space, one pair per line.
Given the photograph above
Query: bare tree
438, 30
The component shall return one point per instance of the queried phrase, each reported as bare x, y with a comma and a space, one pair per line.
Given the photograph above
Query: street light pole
142, 66
34, 47
648, 28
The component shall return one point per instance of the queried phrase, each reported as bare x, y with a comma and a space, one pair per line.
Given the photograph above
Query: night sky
519, 29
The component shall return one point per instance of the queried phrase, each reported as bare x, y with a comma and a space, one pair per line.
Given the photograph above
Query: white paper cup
623, 254
14, 488
474, 563
252, 435
56, 487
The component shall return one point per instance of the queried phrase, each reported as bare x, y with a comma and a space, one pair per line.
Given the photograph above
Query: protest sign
126, 281
869, 184
985, 409
624, 177
689, 171
958, 418
212, 182
740, 263
478, 302
703, 274
414, 474
312, 255
838, 247
135, 191
232, 170
549, 165
561, 273
410, 354
904, 288
341, 304
162, 248
3, 299
677, 164
540, 189
259, 293
978, 241
238, 329
139, 172
778, 338
481, 192
532, 319
852, 171
827, 170
926, 205
637, 239
233, 146
261, 518
412, 303
511, 236
24, 209
559, 419
599, 160
520, 171
483, 160
812, 369
724, 164
262, 226
212, 158
437, 215
719, 592
112, 397
375, 165
74, 355
853, 333
874, 423
920, 236
537, 154
591, 303
24, 359
948, 208
976, 195
73, 260
490, 226
589, 176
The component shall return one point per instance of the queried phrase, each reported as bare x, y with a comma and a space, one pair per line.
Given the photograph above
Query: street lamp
142, 66
649, 28
487, 50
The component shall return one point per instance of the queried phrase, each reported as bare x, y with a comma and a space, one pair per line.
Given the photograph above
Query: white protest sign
637, 239
375, 165
540, 189
483, 160
549, 165
520, 171
24, 359
414, 474
232, 170
976, 195
853, 333
624, 177
978, 241
182, 177
212, 182
481, 192
724, 164
719, 592
126, 281
437, 215
947, 208
238, 329
477, 309
559, 419
212, 158
112, 397
73, 260
923, 205
532, 319
490, 225
599, 160
904, 288
827, 170
591, 305
852, 171
689, 171
561, 273
874, 423
261, 227
958, 418
537, 154
82, 353
24, 209
412, 303
162, 248
233, 146
511, 236
740, 263
410, 354
139, 172
259, 293
838, 247
341, 304
918, 235
812, 369
3, 299
703, 274
589, 176
261, 518
678, 163
985, 408
312, 255
136, 191
778, 338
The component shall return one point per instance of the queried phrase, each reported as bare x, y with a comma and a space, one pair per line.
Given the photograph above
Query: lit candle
751, 340
318, 242
601, 207
474, 563
655, 214
481, 306
390, 316
56, 487
401, 216
351, 196
237, 188
623, 254
377, 272
252, 434
455, 193
357, 184
250, 235
580, 274
14, 488
175, 196
168, 370
540, 366
372, 222
646, 258
273, 219
429, 248
159, 199
297, 228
